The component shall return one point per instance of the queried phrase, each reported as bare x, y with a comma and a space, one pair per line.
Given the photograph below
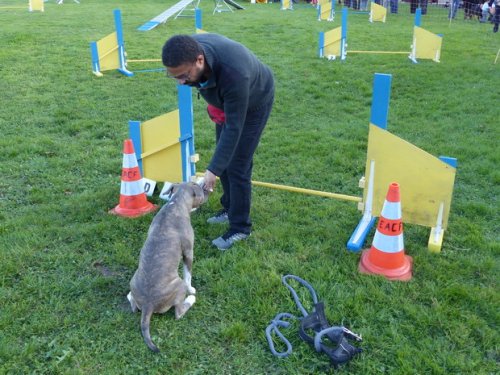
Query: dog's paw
191, 290
182, 308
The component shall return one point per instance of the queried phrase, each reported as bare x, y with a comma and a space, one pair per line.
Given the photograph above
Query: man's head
183, 57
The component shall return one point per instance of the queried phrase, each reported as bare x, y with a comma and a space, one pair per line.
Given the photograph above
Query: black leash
340, 350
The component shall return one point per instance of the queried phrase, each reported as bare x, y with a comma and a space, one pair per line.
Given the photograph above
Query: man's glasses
182, 77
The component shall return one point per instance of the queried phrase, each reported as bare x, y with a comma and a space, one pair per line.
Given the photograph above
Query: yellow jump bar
388, 52
145, 60
303, 191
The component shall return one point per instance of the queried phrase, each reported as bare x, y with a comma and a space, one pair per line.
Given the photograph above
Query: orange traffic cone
133, 200
387, 255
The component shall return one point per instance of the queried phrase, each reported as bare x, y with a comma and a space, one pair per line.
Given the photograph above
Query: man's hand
209, 183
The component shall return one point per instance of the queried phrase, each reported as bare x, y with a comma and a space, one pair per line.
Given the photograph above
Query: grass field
65, 263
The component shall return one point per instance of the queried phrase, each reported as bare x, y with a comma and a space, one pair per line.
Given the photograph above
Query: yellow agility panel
426, 45
426, 182
378, 13
326, 12
161, 149
333, 39
201, 31
36, 5
108, 52
286, 4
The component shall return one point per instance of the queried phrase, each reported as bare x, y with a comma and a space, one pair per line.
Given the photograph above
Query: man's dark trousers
236, 179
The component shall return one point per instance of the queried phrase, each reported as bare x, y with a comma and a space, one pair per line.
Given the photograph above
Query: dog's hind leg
133, 304
183, 307
188, 278
187, 258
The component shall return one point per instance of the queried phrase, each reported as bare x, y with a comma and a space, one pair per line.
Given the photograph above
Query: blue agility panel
108, 53
332, 44
164, 145
426, 182
326, 11
380, 101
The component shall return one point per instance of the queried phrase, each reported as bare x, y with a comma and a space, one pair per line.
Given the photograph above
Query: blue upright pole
197, 18
380, 99
121, 43
187, 131
343, 40
418, 17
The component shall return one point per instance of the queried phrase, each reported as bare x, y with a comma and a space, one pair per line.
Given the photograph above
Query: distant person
394, 6
422, 4
495, 11
453, 9
485, 12
239, 89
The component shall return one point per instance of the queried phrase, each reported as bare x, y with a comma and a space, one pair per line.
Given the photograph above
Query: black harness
314, 329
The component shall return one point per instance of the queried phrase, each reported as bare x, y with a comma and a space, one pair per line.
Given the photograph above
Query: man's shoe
228, 239
219, 218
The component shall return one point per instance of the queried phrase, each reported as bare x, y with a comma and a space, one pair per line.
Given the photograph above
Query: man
241, 89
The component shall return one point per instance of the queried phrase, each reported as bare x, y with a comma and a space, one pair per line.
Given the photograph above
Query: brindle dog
156, 285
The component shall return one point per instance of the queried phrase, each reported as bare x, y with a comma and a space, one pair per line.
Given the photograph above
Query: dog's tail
147, 312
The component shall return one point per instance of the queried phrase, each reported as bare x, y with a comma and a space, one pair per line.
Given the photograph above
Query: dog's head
200, 195
190, 191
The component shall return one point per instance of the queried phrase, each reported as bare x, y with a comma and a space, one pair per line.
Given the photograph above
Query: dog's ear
175, 188
169, 190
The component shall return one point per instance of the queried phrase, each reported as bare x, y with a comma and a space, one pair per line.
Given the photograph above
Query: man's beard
196, 81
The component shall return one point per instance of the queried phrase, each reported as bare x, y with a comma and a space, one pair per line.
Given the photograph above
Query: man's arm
236, 98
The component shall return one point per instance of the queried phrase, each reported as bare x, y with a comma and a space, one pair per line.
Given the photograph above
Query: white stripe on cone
130, 188
391, 210
129, 161
388, 244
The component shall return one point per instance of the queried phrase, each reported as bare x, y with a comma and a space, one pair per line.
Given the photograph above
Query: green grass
66, 263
